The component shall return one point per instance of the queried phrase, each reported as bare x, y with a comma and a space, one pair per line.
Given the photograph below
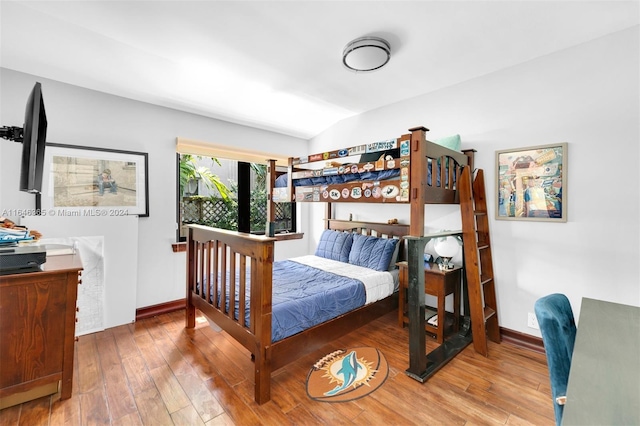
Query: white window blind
208, 149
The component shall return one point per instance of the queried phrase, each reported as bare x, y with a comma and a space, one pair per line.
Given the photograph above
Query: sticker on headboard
382, 145
404, 148
390, 191
357, 150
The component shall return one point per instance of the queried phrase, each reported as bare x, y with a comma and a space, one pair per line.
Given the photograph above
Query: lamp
446, 247
366, 54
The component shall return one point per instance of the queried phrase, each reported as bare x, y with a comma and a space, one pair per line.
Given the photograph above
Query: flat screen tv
34, 138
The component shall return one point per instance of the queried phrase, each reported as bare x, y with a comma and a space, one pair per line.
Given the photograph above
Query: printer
22, 259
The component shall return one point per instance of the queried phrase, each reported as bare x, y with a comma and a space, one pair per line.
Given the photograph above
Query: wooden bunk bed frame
209, 247
445, 168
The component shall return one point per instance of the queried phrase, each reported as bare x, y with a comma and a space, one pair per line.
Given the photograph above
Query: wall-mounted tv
33, 142
33, 136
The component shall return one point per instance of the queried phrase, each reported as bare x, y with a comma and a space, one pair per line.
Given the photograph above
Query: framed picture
87, 181
532, 183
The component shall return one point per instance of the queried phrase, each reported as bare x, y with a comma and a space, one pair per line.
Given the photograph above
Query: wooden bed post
415, 290
190, 315
470, 153
271, 211
417, 177
290, 189
261, 304
416, 309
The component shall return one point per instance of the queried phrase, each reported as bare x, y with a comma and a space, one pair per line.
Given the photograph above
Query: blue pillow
372, 252
335, 245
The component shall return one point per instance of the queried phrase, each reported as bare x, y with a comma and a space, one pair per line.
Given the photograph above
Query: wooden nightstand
436, 283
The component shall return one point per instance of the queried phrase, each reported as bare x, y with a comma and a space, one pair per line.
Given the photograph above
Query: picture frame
531, 183
90, 181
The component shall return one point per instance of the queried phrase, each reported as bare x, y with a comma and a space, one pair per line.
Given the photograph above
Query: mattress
310, 290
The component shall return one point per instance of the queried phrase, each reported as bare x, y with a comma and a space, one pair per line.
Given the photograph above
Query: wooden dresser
37, 330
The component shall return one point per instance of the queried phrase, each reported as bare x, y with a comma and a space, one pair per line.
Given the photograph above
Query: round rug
347, 374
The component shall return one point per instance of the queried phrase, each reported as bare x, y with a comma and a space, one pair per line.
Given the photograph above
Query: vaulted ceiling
277, 65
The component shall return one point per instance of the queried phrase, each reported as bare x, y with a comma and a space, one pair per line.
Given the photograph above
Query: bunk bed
225, 267
407, 169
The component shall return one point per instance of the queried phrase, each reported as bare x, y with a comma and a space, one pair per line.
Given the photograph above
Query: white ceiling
278, 65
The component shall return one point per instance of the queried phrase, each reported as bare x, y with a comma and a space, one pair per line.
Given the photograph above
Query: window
227, 194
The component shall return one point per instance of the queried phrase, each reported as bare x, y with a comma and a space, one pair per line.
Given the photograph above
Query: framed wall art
532, 183
86, 181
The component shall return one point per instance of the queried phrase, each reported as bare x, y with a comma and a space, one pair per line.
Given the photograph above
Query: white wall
587, 96
78, 116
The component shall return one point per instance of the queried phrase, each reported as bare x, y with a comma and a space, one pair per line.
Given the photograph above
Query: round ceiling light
366, 54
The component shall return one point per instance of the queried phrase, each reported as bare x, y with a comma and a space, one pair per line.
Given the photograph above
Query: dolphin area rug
347, 374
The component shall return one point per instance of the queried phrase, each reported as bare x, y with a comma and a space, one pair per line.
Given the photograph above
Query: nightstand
439, 283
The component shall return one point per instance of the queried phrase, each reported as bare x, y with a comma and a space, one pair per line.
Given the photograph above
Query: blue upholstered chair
558, 328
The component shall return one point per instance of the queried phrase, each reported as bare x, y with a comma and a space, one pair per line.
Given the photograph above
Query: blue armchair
558, 328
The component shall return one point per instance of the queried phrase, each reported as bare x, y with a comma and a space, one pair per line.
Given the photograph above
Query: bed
226, 268
233, 280
406, 169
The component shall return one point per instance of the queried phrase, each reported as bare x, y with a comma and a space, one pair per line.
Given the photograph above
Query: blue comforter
304, 296
281, 181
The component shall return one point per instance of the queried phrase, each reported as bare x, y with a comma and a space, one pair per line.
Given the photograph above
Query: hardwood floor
155, 372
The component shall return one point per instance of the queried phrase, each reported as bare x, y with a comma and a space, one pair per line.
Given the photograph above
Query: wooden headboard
370, 228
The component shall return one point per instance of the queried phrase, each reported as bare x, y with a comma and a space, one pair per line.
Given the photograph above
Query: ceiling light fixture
366, 54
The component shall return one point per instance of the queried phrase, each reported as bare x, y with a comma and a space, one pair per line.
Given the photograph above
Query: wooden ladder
481, 287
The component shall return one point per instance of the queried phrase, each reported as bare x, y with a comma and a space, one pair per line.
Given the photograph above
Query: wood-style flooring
155, 372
